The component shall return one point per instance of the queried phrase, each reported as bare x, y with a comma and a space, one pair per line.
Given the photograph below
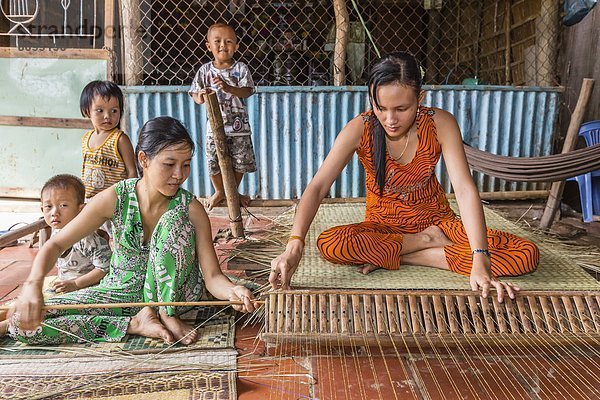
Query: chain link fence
302, 42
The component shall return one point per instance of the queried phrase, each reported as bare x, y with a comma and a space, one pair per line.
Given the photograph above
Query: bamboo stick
142, 304
229, 181
556, 191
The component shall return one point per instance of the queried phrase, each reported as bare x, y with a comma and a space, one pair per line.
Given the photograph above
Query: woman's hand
27, 310
284, 266
481, 278
240, 293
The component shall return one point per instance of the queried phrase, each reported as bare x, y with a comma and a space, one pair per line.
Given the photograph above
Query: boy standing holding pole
231, 81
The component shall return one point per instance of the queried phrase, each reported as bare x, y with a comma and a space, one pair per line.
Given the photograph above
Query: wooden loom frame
400, 316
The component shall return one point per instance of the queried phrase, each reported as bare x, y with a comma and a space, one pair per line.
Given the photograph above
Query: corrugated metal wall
293, 128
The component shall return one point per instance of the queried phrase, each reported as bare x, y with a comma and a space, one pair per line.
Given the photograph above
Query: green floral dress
165, 269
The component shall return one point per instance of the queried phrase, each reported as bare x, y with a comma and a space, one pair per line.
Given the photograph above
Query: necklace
404, 150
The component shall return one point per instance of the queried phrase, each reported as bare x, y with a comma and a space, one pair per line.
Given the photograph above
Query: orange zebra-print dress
413, 200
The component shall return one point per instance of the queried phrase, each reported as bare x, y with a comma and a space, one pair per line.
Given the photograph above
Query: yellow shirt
103, 166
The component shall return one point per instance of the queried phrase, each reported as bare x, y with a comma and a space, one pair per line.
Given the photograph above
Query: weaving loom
406, 316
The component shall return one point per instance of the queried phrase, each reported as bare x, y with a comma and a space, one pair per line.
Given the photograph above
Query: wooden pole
142, 304
229, 182
24, 231
132, 41
109, 33
546, 43
433, 42
556, 191
507, 21
342, 27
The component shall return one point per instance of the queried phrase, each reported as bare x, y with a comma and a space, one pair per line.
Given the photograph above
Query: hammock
556, 167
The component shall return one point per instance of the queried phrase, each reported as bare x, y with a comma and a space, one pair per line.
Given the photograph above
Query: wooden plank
476, 318
356, 314
380, 320
393, 320
402, 314
305, 313
46, 122
344, 315
499, 309
523, 314
538, 322
297, 313
584, 316
452, 317
69, 54
548, 316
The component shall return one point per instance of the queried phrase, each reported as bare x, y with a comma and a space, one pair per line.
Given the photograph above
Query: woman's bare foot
436, 236
182, 332
146, 323
213, 200
3, 328
366, 268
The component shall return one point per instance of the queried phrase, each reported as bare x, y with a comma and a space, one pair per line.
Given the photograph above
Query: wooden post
229, 182
507, 22
342, 27
546, 43
132, 41
557, 188
109, 35
433, 42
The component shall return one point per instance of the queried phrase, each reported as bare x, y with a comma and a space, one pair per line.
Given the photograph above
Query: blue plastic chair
589, 184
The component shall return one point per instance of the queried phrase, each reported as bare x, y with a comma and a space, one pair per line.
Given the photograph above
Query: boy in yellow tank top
108, 155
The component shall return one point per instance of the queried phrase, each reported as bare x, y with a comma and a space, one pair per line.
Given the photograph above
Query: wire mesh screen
304, 42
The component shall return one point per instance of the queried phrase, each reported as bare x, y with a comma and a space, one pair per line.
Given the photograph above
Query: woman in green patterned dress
163, 252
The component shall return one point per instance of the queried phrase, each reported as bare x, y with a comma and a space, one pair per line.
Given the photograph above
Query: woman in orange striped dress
408, 219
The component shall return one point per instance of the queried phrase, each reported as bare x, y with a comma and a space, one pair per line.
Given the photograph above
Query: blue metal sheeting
293, 129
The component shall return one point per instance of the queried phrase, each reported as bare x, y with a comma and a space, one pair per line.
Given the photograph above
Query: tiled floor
328, 372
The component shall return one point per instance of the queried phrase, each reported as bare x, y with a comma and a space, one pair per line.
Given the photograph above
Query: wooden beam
17, 234
46, 122
556, 191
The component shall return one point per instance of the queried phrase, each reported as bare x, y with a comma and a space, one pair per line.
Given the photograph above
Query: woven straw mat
556, 271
